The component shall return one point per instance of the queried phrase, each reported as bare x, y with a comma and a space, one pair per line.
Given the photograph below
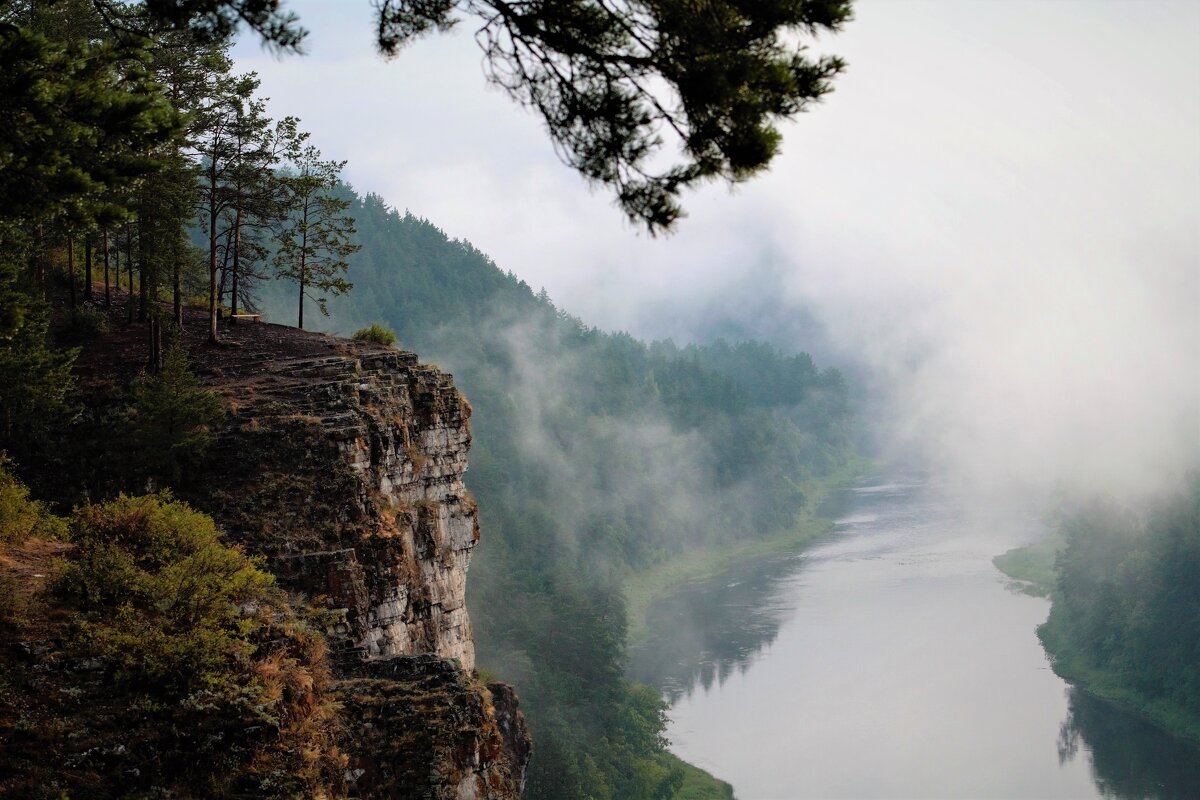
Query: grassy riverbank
1032, 571
698, 784
1032, 567
643, 586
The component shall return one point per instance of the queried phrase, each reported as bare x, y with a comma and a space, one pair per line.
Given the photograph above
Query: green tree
78, 119
174, 417
35, 383
259, 192
316, 239
77, 124
619, 85
214, 142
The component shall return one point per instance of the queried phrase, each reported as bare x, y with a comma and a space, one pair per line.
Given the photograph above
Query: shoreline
1031, 571
643, 587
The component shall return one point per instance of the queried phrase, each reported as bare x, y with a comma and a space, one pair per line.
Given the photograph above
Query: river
892, 660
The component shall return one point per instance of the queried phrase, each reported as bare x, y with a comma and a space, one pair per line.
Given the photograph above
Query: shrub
88, 322
21, 517
174, 417
194, 630
12, 601
377, 333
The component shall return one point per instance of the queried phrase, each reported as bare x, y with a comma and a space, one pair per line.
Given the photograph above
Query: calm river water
890, 660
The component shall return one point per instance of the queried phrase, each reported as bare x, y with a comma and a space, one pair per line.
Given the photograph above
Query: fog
994, 220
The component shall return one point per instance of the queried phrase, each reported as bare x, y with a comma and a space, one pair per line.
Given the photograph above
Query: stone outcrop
416, 728
342, 467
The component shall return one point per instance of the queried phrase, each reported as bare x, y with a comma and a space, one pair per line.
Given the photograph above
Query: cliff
342, 466
339, 466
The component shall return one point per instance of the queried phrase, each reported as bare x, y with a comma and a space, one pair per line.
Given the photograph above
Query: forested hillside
595, 455
1125, 623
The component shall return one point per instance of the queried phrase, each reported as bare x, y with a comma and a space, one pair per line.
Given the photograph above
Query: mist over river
892, 660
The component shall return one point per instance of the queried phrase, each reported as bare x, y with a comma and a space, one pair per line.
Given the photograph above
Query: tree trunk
143, 274
303, 260
71, 267
117, 257
237, 246
212, 274
129, 267
87, 267
154, 362
176, 293
107, 288
39, 257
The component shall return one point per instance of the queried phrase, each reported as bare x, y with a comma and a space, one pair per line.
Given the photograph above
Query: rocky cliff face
342, 465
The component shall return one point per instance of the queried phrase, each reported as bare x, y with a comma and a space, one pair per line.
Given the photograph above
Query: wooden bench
250, 317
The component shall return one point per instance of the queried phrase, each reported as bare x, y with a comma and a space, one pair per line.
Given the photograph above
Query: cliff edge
342, 465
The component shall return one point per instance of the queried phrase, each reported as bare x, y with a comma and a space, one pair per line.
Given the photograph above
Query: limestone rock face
343, 467
348, 476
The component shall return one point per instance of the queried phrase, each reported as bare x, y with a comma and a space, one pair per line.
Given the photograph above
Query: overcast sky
997, 210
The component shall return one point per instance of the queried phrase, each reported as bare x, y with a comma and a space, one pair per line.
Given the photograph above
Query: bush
20, 517
193, 629
174, 417
12, 601
377, 333
88, 322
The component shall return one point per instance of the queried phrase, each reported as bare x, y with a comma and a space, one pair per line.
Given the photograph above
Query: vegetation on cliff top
143, 657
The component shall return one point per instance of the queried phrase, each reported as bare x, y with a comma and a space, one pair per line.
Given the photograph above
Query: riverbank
643, 586
698, 784
1031, 569
1108, 687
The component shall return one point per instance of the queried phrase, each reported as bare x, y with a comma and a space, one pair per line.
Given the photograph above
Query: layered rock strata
344, 470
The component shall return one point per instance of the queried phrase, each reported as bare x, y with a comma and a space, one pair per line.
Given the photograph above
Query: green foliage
174, 417
1126, 613
1032, 567
78, 119
379, 334
216, 20
35, 384
609, 79
12, 602
87, 323
698, 784
20, 517
170, 592
197, 633
317, 238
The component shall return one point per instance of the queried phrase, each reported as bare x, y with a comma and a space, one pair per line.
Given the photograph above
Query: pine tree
175, 416
618, 85
316, 239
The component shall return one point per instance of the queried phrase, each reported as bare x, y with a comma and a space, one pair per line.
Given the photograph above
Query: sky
995, 216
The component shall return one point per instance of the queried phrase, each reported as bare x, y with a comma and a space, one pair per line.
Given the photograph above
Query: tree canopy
648, 97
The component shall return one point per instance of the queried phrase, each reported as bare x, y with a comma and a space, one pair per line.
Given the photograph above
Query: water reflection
1130, 758
704, 631
889, 661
